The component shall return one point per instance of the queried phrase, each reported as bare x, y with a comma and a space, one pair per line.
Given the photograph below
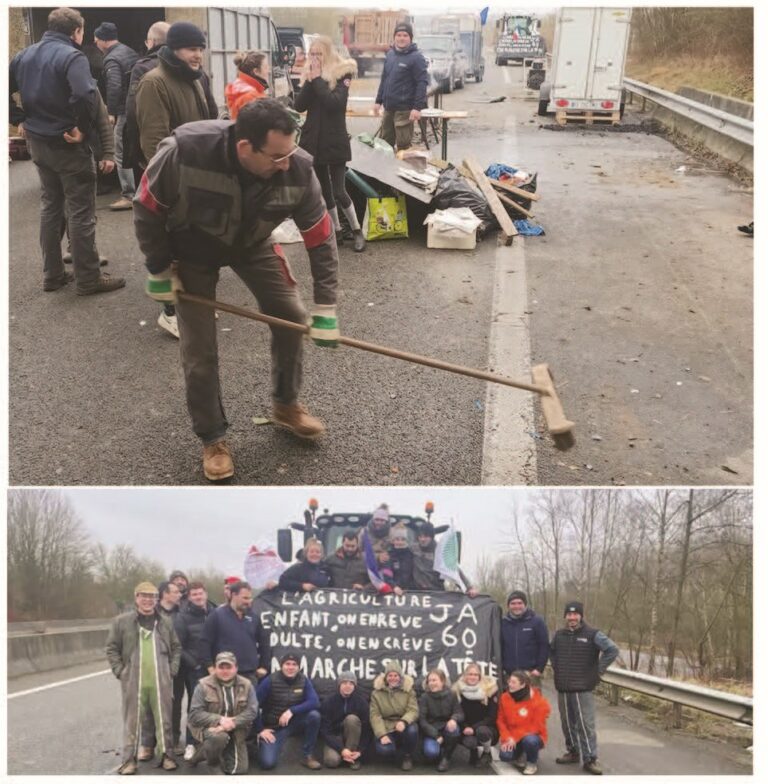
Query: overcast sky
201, 527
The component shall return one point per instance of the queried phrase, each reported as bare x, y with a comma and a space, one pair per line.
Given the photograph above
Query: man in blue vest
579, 656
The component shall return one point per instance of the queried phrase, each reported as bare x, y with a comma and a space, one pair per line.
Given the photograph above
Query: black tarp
336, 630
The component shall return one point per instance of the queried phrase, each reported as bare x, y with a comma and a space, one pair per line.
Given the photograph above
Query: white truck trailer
584, 82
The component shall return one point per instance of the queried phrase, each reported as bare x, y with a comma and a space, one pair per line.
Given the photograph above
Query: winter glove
163, 286
324, 328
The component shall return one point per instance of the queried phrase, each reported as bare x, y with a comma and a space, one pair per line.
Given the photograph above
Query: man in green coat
144, 655
395, 715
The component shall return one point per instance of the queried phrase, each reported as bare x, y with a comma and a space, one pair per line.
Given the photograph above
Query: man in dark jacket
116, 71
61, 106
288, 706
524, 638
232, 627
211, 197
189, 623
346, 565
345, 724
580, 655
402, 89
144, 653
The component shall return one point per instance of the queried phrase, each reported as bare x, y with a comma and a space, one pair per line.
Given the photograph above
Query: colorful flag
447, 557
484, 15
373, 567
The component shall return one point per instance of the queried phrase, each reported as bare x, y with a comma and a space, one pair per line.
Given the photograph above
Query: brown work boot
121, 204
128, 768
145, 753
592, 766
58, 283
217, 461
104, 283
569, 758
168, 763
298, 420
311, 763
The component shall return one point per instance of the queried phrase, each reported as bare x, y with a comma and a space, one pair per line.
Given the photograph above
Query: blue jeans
401, 741
433, 750
528, 745
308, 723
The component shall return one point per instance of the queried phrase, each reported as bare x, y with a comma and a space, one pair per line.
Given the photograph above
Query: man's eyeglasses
279, 158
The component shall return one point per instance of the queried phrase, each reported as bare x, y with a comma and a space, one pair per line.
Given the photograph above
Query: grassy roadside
719, 74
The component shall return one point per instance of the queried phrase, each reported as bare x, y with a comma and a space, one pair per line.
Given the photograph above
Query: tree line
666, 573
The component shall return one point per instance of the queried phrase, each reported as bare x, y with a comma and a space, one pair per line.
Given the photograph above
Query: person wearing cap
345, 723
346, 565
308, 574
170, 95
221, 714
233, 627
424, 575
524, 638
210, 198
288, 706
402, 90
579, 654
395, 715
228, 581
119, 59
144, 654
58, 117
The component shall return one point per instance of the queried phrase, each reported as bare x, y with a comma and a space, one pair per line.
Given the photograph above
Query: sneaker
104, 283
443, 765
67, 259
356, 765
568, 758
407, 763
128, 768
145, 753
748, 229
311, 763
58, 283
592, 766
519, 763
121, 204
168, 763
168, 323
298, 420
530, 769
217, 461
359, 241
189, 752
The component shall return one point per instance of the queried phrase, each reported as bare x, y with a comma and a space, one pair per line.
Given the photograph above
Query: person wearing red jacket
251, 83
522, 723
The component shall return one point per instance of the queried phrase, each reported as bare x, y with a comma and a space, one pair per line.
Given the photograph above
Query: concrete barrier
30, 653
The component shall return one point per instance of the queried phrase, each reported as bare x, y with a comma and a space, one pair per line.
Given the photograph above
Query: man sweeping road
210, 197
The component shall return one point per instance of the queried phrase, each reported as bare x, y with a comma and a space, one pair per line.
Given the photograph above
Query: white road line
509, 453
58, 683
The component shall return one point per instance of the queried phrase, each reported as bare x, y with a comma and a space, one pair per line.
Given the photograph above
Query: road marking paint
58, 683
509, 453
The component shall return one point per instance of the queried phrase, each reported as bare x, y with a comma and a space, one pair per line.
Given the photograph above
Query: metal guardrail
738, 128
22, 628
719, 703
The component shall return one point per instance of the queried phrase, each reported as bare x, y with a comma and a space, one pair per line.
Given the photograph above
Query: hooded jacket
480, 712
324, 133
335, 709
404, 80
388, 706
524, 642
436, 708
244, 89
528, 717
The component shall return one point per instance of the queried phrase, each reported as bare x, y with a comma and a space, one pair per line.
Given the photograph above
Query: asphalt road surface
639, 298
70, 726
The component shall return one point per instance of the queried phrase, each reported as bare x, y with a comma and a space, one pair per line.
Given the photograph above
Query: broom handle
361, 344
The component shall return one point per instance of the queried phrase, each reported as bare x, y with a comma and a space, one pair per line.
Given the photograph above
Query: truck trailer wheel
543, 108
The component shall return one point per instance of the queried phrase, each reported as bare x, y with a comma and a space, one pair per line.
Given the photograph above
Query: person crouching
345, 724
439, 717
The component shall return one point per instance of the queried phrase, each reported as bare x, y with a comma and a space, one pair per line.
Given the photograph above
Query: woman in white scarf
479, 701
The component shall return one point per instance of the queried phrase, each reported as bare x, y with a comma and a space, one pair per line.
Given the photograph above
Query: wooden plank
507, 227
514, 190
514, 205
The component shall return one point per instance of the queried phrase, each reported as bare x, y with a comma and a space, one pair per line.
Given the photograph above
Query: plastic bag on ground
458, 218
453, 190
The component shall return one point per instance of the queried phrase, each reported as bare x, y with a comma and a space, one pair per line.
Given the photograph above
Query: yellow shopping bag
385, 218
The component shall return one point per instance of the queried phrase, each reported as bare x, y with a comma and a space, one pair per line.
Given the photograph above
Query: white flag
447, 557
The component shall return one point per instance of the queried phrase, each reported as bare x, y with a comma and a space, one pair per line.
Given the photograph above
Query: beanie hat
382, 513
517, 595
145, 587
232, 580
286, 657
426, 529
106, 31
404, 27
184, 34
177, 573
346, 675
576, 607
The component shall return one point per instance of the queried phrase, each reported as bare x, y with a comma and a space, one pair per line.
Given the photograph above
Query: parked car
446, 60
